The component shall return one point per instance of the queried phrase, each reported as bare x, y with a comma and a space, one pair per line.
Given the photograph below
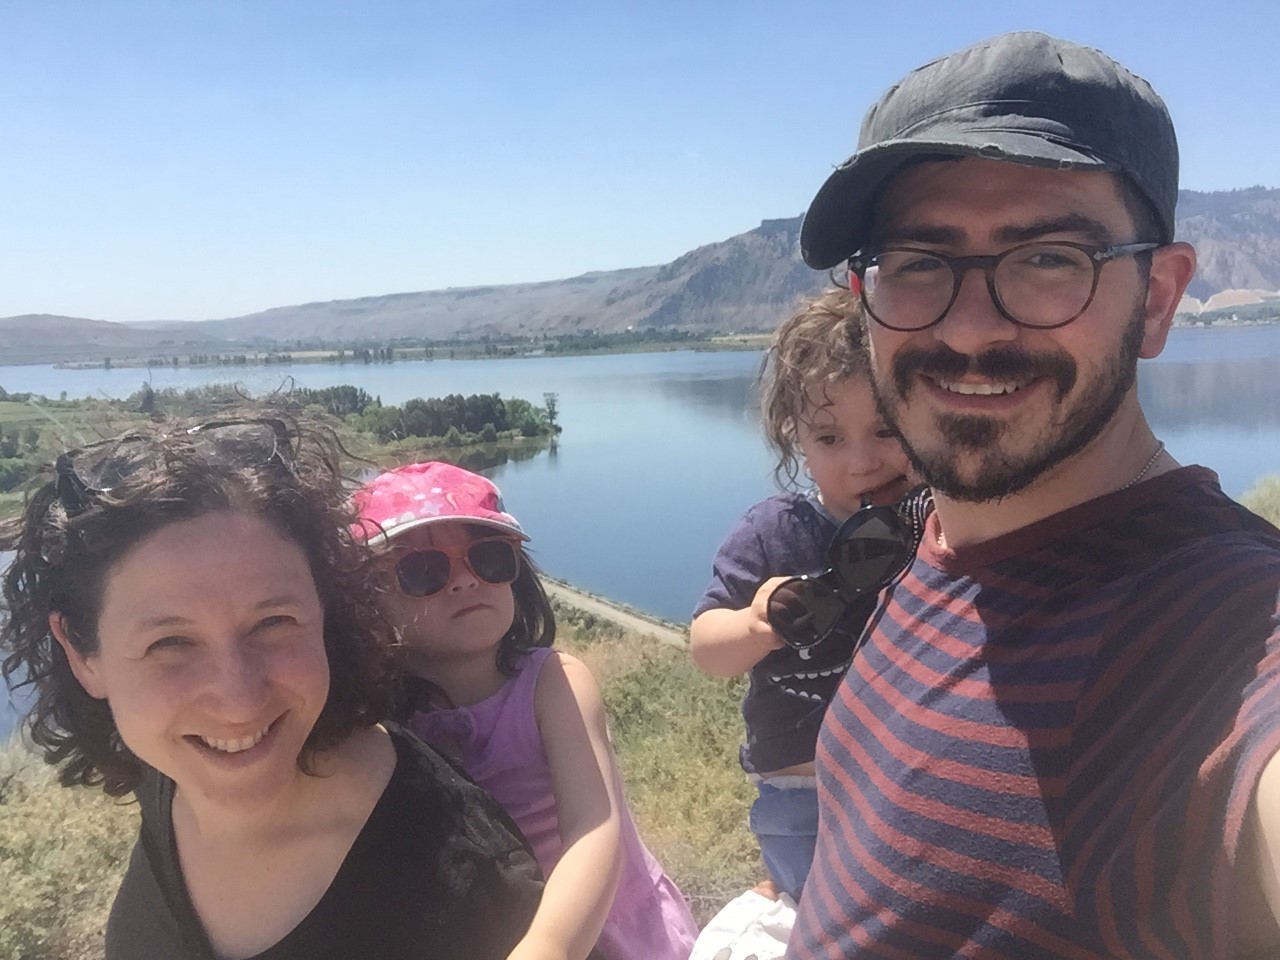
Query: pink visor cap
418, 494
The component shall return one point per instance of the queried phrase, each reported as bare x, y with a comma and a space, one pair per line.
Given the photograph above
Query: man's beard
1001, 473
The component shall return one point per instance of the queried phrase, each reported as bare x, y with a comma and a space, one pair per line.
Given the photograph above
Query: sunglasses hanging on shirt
871, 549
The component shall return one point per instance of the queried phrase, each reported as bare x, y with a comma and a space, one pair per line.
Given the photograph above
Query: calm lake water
659, 455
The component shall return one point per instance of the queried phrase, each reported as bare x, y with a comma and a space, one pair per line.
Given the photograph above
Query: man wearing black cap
1057, 738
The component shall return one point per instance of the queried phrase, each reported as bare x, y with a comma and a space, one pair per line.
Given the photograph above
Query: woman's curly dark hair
820, 345
64, 557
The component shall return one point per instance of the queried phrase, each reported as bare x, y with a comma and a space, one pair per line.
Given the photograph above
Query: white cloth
749, 927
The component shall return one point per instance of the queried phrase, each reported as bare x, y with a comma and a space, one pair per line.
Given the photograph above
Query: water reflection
731, 396
1242, 394
485, 457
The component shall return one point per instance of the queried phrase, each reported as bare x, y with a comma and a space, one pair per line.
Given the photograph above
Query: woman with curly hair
200, 629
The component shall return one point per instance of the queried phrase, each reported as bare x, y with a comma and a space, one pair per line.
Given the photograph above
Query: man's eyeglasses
426, 572
869, 550
1038, 285
98, 468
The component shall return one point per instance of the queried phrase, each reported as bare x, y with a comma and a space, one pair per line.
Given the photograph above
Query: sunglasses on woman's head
95, 469
869, 550
422, 573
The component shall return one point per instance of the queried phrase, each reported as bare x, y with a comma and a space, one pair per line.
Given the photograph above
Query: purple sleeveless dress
502, 751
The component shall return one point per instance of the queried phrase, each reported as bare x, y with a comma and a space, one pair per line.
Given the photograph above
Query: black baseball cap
1020, 97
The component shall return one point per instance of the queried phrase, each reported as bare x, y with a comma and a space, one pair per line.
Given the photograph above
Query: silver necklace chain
1146, 466
924, 509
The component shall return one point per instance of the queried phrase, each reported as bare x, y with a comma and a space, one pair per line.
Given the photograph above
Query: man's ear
84, 668
1172, 268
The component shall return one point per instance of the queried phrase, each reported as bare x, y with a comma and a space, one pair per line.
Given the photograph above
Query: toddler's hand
760, 629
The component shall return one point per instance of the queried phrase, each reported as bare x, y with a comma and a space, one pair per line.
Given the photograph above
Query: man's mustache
940, 362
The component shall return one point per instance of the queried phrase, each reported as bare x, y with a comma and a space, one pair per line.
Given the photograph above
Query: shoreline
620, 614
716, 343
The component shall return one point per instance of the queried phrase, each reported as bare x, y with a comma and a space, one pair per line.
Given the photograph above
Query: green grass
11, 412
1264, 499
676, 733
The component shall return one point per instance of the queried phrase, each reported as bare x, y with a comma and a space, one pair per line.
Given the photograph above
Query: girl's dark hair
819, 346
64, 555
535, 622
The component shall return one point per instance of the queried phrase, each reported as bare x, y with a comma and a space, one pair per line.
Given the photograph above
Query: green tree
146, 399
31, 439
339, 400
481, 408
488, 433
13, 471
551, 403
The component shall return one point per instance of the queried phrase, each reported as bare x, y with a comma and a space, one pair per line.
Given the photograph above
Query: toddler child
526, 722
817, 411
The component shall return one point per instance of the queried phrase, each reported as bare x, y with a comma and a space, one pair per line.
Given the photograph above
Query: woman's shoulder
421, 766
151, 916
431, 791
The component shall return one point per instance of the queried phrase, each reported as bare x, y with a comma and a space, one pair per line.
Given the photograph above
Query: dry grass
1264, 499
62, 854
676, 732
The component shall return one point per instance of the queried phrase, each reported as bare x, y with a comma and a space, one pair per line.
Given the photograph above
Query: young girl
526, 722
817, 407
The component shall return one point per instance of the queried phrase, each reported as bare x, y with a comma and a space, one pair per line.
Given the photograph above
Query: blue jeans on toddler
784, 819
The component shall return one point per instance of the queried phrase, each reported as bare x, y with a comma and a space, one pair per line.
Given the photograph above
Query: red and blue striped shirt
1049, 742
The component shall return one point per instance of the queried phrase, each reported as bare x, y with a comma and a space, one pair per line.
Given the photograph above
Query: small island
478, 431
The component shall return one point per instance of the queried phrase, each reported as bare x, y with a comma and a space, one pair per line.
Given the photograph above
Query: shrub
13, 472
62, 855
1264, 499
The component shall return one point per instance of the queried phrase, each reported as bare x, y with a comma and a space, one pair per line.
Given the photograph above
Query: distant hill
747, 282
744, 283
44, 338
1237, 236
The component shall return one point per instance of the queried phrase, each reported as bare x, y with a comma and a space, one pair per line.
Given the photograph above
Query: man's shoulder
1196, 524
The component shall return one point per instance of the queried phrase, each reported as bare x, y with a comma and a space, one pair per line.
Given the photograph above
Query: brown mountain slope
747, 282
44, 338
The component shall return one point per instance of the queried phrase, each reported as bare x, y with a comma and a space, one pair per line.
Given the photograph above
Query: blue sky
193, 159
